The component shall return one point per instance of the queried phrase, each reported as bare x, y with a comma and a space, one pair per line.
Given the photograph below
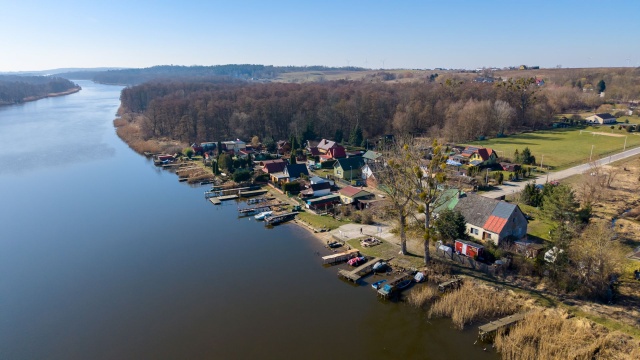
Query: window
474, 231
488, 236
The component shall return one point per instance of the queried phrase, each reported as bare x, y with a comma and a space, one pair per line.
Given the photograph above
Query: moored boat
403, 284
376, 285
379, 266
262, 215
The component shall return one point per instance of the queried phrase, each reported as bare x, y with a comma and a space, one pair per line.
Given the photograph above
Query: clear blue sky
39, 35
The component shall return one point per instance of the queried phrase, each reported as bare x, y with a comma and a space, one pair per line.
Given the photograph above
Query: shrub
292, 187
241, 175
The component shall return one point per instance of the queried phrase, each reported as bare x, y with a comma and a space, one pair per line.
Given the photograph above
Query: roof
448, 199
326, 198
490, 214
371, 155
294, 170
321, 186
470, 243
325, 144
605, 116
353, 192
273, 167
485, 153
314, 151
338, 151
476, 209
350, 163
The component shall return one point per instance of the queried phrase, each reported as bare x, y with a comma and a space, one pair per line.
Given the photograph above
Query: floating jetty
359, 272
215, 201
489, 330
280, 218
339, 257
392, 284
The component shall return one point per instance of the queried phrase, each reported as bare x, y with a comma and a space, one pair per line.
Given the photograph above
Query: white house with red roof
490, 219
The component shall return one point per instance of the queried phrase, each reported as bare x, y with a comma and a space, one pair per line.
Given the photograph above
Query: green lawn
538, 226
321, 221
563, 148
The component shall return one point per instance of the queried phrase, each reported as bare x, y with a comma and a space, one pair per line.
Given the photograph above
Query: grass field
321, 221
563, 148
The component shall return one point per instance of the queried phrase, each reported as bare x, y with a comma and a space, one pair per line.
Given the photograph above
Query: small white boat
262, 215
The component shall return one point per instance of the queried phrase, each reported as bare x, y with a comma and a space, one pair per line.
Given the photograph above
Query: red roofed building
477, 156
351, 194
273, 166
490, 219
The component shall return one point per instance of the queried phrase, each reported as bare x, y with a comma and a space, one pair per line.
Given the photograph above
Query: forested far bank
17, 89
454, 110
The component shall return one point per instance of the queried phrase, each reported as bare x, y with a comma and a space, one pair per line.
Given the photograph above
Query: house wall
347, 174
477, 234
516, 226
346, 199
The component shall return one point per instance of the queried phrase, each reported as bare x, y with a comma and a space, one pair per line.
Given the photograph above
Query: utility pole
591, 155
625, 143
541, 161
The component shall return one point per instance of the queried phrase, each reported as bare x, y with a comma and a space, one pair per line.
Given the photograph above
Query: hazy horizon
369, 34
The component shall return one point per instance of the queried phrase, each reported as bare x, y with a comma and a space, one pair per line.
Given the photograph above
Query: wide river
104, 256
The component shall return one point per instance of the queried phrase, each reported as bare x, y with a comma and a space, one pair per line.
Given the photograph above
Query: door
464, 249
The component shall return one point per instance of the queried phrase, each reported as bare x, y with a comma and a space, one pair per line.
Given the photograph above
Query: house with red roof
478, 156
328, 150
490, 219
273, 166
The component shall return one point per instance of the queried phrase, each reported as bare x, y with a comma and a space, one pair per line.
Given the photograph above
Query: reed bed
473, 302
420, 297
549, 335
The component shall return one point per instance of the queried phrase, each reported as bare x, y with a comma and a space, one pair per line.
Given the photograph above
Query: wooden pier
360, 271
392, 284
280, 218
489, 330
339, 257
218, 199
252, 193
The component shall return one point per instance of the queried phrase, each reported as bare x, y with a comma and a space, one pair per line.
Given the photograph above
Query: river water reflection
104, 256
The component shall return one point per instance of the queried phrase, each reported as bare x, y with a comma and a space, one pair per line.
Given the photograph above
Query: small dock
339, 257
280, 218
250, 193
398, 279
450, 284
489, 330
218, 199
360, 271
260, 206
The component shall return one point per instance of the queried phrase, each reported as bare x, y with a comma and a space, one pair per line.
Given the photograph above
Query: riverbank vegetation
473, 302
552, 334
16, 89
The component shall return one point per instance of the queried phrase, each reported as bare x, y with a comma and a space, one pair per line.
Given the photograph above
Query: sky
42, 35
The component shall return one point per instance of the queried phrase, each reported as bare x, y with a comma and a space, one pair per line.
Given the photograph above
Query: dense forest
168, 72
16, 89
455, 110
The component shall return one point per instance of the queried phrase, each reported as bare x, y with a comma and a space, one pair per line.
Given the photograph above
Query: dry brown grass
424, 295
128, 129
473, 302
550, 335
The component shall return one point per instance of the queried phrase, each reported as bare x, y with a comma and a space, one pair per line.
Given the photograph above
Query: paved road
514, 187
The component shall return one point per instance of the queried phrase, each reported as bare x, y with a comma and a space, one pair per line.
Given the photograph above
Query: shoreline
49, 95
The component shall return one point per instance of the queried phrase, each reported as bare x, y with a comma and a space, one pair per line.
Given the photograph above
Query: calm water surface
104, 256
